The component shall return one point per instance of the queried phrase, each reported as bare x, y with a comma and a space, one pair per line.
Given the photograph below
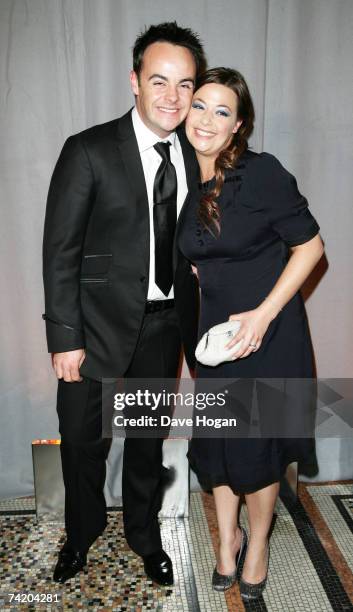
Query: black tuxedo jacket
96, 251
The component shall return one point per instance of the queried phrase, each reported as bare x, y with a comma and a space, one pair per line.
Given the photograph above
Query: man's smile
164, 109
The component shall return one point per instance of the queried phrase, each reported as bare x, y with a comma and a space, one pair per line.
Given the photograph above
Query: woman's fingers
248, 347
243, 335
242, 349
248, 352
249, 334
240, 336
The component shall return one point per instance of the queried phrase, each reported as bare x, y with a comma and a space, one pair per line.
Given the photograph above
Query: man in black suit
120, 300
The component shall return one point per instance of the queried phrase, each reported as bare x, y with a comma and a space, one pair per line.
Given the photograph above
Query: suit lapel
131, 160
190, 161
192, 174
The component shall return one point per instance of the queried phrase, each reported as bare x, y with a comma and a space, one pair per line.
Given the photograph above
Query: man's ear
237, 126
134, 82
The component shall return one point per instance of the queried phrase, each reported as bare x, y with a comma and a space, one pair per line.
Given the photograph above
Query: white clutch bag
211, 349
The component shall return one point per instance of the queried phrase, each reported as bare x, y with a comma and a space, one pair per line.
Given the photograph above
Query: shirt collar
146, 139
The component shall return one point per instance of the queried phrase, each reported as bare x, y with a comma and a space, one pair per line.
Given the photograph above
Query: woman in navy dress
253, 242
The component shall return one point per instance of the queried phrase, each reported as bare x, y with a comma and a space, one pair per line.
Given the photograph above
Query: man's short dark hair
172, 33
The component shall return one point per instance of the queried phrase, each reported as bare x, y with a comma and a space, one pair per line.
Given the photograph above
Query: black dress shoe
70, 562
159, 568
223, 582
249, 591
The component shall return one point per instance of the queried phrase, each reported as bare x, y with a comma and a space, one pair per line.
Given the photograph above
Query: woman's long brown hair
208, 211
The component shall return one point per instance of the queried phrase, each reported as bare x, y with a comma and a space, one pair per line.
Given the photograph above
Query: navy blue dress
262, 215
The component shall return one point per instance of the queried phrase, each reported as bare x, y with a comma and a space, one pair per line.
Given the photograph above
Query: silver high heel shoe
249, 591
222, 582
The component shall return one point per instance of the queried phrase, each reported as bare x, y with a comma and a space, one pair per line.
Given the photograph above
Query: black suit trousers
84, 451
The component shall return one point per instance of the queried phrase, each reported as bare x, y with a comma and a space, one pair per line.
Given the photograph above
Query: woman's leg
227, 505
260, 506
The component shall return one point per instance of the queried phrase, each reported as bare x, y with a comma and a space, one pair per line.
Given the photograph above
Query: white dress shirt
151, 161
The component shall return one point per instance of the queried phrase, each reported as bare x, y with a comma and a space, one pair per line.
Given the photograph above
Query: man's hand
66, 365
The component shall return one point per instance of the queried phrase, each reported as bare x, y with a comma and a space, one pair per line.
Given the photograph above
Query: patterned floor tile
310, 566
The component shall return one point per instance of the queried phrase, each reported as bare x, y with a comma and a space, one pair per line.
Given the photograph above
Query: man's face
165, 86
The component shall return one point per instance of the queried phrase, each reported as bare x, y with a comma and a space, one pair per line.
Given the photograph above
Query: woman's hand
254, 325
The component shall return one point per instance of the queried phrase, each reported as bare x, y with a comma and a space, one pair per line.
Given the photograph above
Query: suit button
198, 232
200, 242
142, 279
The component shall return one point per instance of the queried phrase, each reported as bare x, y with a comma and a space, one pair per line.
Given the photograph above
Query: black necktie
164, 217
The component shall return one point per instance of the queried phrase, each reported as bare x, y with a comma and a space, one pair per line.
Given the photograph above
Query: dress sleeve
286, 209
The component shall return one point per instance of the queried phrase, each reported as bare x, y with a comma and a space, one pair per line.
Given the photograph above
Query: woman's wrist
270, 308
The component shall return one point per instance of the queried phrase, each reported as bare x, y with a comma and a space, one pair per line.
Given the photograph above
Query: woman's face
212, 119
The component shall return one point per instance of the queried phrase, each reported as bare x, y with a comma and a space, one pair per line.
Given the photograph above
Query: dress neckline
205, 185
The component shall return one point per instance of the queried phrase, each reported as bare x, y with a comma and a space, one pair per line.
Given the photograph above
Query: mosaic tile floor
310, 569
